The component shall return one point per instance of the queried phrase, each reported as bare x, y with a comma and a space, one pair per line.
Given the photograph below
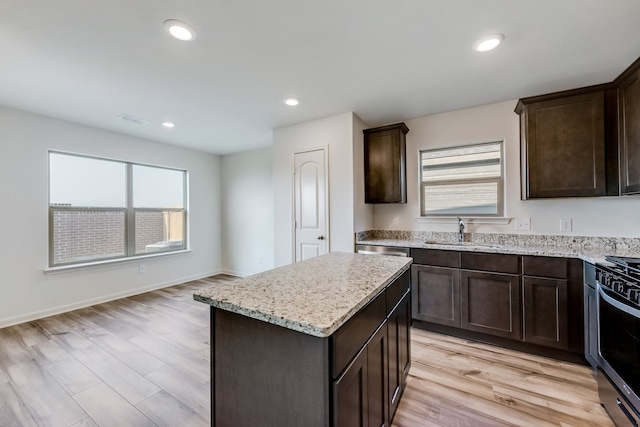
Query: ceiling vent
134, 119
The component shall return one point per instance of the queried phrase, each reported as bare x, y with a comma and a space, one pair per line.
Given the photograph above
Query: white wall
363, 213
606, 216
26, 292
247, 212
336, 133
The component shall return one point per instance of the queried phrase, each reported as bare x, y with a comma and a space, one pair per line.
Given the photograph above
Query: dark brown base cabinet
436, 294
490, 303
267, 375
518, 299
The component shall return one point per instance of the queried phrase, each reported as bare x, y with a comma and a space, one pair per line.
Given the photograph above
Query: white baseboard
29, 317
235, 273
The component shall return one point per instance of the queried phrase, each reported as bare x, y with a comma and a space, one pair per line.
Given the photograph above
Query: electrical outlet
565, 225
523, 224
142, 268
396, 221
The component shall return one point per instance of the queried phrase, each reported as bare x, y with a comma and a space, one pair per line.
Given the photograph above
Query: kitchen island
323, 342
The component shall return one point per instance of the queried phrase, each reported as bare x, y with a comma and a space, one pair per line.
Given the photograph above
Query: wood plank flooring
144, 361
455, 382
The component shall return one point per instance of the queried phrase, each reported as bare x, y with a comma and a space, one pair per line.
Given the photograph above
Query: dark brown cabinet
546, 312
360, 394
490, 303
590, 315
546, 301
385, 164
436, 294
515, 298
582, 142
367, 392
629, 129
563, 144
399, 352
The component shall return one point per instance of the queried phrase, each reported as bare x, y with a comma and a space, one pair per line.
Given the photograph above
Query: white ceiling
89, 61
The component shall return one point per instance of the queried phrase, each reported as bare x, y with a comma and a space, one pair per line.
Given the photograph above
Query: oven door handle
617, 304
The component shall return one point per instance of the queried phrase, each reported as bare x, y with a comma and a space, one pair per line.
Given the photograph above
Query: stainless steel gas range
618, 283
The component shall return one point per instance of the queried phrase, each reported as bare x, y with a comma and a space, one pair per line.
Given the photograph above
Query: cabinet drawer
545, 267
498, 263
397, 289
349, 339
436, 257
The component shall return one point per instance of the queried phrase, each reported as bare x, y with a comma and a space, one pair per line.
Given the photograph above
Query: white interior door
310, 203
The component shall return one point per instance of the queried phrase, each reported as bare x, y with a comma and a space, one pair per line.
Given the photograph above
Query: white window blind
462, 180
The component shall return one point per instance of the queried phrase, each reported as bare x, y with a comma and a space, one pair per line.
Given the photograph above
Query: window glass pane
83, 181
158, 231
86, 235
157, 188
461, 199
462, 180
473, 162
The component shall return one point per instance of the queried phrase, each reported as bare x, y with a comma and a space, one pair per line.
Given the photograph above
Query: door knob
320, 237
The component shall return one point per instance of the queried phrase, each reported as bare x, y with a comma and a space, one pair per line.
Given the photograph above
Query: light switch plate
395, 222
565, 225
523, 224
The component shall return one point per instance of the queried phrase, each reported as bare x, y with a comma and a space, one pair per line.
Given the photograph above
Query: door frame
325, 150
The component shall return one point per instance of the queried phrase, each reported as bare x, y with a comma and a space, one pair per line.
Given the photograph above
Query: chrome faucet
460, 230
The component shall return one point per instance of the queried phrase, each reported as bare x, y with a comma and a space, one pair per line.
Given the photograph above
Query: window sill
109, 262
466, 219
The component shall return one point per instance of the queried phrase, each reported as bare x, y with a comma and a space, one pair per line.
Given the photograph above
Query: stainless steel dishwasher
382, 250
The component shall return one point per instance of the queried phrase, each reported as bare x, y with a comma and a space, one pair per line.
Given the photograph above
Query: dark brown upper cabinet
564, 138
582, 142
385, 158
629, 129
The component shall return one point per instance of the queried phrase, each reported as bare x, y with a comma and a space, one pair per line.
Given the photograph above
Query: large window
462, 181
103, 209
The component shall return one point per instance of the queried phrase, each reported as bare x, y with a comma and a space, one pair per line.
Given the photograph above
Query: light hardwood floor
144, 361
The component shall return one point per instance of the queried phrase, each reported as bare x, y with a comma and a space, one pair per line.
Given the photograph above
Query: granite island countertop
315, 296
589, 249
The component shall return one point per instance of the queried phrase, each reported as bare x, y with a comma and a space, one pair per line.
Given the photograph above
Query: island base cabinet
266, 375
360, 394
399, 352
490, 303
545, 312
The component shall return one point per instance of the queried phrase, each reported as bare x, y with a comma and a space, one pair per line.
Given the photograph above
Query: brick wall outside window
87, 235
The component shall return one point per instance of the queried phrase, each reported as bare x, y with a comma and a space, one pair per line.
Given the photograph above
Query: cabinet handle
320, 237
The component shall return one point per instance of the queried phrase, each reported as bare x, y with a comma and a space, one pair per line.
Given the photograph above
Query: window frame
129, 210
498, 180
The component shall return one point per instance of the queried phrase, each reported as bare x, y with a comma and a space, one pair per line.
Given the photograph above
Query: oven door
619, 351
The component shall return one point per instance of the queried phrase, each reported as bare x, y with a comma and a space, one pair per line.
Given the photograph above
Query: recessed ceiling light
179, 30
291, 102
488, 42
168, 125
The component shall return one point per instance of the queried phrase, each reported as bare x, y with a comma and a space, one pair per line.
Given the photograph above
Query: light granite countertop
589, 251
315, 296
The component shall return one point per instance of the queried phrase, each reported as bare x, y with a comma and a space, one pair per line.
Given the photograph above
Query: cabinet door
399, 352
563, 149
378, 378
591, 325
490, 303
385, 164
629, 129
435, 293
351, 395
546, 313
